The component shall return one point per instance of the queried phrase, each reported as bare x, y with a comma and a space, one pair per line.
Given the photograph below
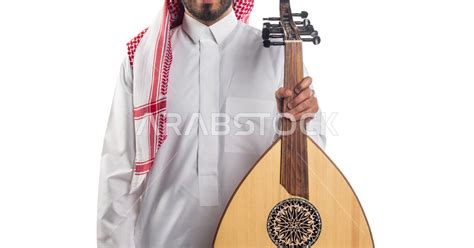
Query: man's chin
207, 10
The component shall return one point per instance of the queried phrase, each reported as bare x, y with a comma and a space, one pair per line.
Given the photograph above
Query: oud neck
294, 167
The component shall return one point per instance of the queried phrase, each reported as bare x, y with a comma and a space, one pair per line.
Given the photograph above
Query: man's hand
302, 102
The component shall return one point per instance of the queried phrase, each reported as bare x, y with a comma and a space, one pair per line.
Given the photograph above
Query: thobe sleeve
117, 209
315, 128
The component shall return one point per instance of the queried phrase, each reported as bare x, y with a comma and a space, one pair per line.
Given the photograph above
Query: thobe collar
220, 30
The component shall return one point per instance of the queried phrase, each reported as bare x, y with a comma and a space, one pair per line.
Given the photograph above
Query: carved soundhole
294, 223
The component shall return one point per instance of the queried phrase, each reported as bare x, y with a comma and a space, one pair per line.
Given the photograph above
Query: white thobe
221, 68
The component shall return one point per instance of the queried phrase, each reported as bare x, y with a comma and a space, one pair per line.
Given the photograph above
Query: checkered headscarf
150, 57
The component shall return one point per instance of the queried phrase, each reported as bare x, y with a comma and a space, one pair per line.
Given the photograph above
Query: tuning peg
308, 28
303, 14
305, 22
270, 25
274, 36
313, 34
308, 32
266, 34
316, 40
271, 18
268, 43
267, 31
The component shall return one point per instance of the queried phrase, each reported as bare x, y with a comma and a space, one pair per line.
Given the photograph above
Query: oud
294, 196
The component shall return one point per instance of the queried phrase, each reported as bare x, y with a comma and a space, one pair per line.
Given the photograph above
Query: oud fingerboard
294, 155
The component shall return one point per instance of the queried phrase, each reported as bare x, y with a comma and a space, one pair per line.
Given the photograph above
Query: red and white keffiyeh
150, 82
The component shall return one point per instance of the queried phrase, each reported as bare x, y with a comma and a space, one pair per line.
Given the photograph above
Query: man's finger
305, 83
283, 93
305, 105
305, 94
308, 113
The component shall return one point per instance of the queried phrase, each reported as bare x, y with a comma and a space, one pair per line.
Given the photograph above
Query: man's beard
206, 13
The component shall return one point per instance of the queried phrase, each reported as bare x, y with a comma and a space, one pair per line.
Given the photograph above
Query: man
174, 196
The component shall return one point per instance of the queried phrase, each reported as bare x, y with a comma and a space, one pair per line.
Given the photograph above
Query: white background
398, 73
